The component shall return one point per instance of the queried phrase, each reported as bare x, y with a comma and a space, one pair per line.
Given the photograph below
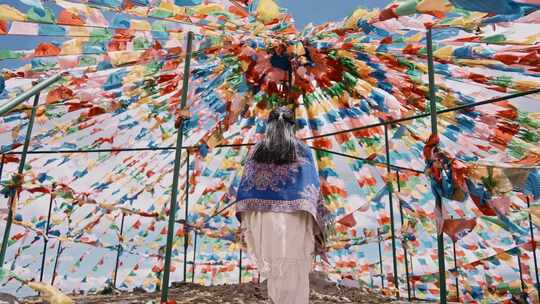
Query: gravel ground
322, 292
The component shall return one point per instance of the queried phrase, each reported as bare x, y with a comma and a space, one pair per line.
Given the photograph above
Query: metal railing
10, 105
433, 114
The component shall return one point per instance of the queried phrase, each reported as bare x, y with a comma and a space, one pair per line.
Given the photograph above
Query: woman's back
278, 202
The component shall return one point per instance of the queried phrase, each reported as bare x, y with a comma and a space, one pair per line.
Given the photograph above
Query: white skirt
282, 245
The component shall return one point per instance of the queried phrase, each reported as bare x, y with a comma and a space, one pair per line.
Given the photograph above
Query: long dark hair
279, 145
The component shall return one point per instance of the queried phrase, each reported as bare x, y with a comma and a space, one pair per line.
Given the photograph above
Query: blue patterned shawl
283, 188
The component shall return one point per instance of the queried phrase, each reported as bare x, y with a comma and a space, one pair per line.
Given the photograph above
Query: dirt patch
322, 292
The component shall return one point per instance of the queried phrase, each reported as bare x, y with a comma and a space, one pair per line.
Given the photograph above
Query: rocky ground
321, 292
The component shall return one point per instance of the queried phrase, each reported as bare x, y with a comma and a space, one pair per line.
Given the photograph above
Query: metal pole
194, 258
391, 203
456, 269
186, 230
534, 250
409, 118
240, 268
380, 257
413, 283
2, 166
176, 173
289, 85
404, 244
119, 250
371, 162
20, 171
58, 252
219, 212
115, 150
434, 131
404, 119
10, 105
520, 270
46, 234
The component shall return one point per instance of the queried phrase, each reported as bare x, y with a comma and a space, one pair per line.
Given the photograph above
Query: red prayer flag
348, 221
458, 228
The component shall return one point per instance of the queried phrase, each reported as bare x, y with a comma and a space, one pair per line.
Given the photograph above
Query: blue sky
319, 11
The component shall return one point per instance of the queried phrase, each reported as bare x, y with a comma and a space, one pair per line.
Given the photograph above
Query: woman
281, 211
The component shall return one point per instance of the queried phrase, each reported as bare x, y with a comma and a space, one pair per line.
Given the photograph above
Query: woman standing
281, 211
